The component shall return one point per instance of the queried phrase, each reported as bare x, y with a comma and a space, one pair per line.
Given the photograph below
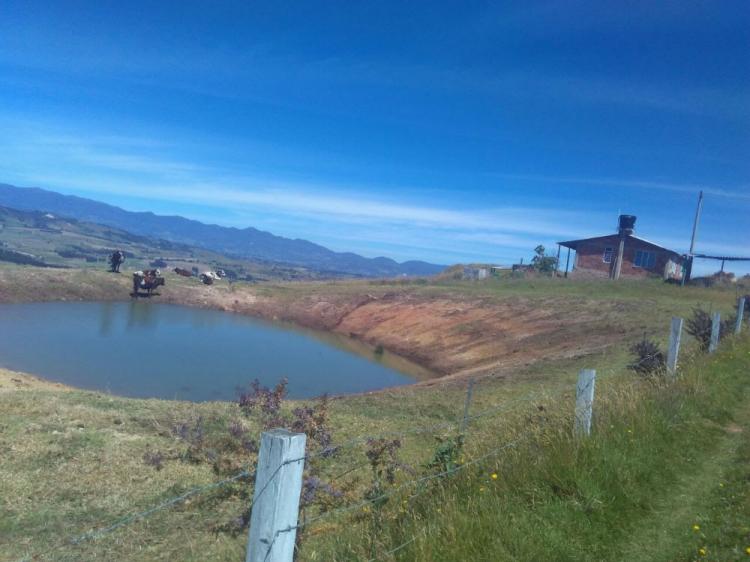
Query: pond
151, 350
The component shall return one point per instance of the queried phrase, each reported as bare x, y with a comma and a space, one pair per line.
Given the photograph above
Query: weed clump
155, 459
447, 455
649, 358
700, 324
228, 447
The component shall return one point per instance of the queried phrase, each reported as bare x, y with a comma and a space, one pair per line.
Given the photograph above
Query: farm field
77, 461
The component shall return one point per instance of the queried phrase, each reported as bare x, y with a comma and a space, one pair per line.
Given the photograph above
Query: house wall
589, 259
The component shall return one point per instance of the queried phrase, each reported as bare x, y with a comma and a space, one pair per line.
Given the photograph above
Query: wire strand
94, 534
394, 550
393, 491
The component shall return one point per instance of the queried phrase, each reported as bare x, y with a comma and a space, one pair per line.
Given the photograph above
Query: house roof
573, 244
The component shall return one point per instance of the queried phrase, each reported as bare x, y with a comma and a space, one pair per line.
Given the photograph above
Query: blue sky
449, 132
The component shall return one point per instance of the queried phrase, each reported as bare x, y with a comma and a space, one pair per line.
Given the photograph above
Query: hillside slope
47, 240
249, 243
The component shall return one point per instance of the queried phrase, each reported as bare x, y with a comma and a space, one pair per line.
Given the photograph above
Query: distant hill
44, 239
249, 243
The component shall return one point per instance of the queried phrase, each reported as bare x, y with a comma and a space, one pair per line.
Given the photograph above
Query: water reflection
141, 315
106, 318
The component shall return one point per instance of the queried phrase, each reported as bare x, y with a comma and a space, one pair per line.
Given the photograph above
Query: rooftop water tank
627, 224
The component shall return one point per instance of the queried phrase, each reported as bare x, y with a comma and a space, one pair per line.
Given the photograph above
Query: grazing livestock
183, 272
116, 260
147, 280
206, 279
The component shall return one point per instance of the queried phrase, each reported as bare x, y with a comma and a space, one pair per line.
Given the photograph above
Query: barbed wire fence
273, 478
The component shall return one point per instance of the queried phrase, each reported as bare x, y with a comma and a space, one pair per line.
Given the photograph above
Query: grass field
662, 459
73, 461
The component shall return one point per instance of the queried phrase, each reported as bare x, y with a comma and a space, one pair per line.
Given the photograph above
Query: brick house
598, 257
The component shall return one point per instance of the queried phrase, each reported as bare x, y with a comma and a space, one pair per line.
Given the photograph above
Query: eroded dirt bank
445, 331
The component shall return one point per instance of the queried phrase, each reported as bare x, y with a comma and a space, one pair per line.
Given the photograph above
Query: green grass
632, 491
652, 468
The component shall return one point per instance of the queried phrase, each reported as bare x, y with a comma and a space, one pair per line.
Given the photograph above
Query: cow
116, 260
147, 280
183, 272
206, 279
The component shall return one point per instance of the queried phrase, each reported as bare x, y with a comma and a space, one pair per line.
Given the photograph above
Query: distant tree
542, 262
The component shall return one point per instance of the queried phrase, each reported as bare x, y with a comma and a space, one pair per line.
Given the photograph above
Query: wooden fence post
467, 404
715, 329
740, 315
584, 402
675, 335
278, 484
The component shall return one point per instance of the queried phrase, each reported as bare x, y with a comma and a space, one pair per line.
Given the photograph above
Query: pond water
145, 349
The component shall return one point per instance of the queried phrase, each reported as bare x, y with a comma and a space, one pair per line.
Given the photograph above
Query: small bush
727, 326
228, 446
155, 459
649, 359
699, 326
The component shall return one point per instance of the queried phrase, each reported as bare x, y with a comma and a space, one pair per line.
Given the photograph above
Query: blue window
644, 259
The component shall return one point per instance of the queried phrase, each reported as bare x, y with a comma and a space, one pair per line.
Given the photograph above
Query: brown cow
147, 280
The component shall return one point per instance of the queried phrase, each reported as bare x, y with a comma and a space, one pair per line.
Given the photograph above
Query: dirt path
699, 518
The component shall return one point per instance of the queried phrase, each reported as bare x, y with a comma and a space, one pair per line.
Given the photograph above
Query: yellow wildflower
702, 551
494, 476
747, 551
696, 527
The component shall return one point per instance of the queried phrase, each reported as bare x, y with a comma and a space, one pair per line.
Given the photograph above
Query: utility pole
689, 267
620, 254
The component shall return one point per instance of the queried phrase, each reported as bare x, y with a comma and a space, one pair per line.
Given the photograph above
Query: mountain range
249, 243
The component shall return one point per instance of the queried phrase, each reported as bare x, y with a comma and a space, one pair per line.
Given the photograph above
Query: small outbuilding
624, 255
475, 273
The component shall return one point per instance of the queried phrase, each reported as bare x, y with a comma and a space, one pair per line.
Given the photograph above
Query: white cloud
739, 192
344, 217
